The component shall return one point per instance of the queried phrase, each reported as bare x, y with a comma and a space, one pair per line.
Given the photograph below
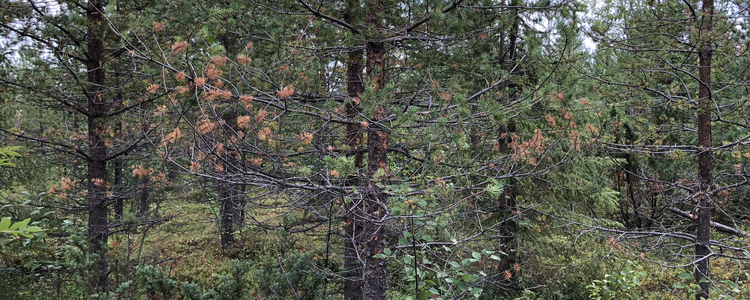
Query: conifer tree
667, 60
75, 77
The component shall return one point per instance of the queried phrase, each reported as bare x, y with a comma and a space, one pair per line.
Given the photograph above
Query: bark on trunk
230, 197
144, 199
353, 225
119, 197
97, 201
118, 186
352, 266
508, 243
228, 214
97, 151
705, 160
507, 200
377, 159
376, 202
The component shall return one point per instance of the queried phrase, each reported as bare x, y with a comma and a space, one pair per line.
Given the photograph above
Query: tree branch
453, 5
329, 18
717, 225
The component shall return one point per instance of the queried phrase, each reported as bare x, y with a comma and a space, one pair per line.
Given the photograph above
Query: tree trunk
376, 210
507, 200
119, 197
237, 206
353, 226
242, 204
230, 197
97, 201
227, 214
377, 160
508, 245
118, 189
97, 151
705, 160
144, 199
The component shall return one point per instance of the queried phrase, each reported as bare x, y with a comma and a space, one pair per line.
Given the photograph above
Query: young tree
654, 58
284, 118
71, 56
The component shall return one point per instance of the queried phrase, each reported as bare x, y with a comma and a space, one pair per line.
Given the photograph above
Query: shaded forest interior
374, 149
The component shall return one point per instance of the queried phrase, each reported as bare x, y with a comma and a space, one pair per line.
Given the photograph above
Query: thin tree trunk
507, 200
508, 245
144, 199
242, 200
705, 160
353, 226
237, 207
118, 189
119, 161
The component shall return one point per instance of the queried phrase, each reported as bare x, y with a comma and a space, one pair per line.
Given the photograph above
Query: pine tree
75, 76
666, 59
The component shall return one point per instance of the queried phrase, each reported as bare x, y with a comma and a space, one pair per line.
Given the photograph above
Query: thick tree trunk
376, 200
97, 201
353, 225
705, 160
227, 215
97, 151
230, 197
230, 212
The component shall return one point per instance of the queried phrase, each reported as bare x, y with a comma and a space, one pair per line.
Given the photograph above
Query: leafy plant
6, 154
619, 285
21, 228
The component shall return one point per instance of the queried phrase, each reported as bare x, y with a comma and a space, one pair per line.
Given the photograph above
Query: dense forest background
377, 149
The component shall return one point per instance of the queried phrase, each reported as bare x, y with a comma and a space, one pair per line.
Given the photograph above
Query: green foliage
620, 285
148, 282
513, 153
21, 228
7, 153
288, 273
